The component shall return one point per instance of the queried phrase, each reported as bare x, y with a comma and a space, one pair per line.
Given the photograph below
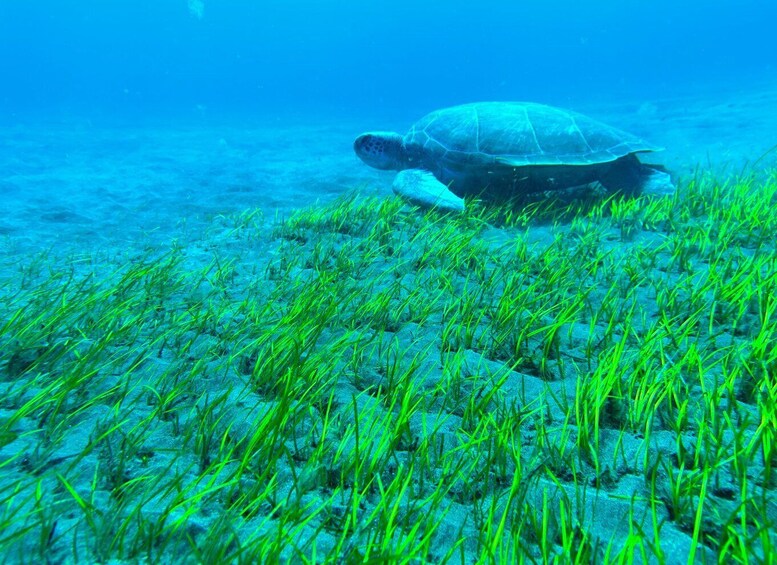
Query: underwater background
261, 100
224, 340
320, 59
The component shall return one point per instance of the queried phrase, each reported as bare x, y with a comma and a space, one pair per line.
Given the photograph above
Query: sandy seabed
83, 198
77, 182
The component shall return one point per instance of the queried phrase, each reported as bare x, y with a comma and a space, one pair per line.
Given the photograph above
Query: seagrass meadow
582, 381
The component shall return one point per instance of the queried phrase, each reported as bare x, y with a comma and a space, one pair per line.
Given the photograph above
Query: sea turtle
503, 149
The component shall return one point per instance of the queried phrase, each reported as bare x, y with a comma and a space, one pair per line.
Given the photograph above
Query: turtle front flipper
423, 189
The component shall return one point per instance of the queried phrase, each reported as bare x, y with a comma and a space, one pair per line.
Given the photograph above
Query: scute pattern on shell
519, 133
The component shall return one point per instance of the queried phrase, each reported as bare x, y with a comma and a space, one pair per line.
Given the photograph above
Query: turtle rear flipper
422, 188
632, 177
655, 182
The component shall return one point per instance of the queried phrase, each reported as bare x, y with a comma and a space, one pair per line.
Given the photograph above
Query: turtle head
381, 149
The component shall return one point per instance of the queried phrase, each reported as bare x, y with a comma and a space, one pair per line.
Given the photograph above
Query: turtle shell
517, 134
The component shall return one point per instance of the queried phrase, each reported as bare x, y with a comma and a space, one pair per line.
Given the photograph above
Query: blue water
123, 120
337, 56
130, 128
